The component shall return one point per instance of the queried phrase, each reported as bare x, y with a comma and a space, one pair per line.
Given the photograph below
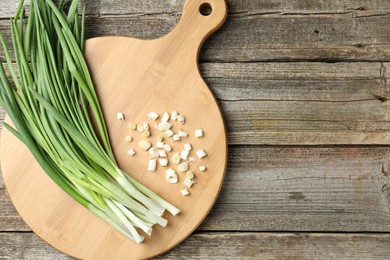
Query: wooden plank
248, 6
301, 102
9, 217
27, 246
282, 246
121, 7
291, 188
287, 188
296, 122
297, 81
232, 246
264, 38
8, 8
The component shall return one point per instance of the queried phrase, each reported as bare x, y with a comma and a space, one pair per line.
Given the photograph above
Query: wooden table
304, 87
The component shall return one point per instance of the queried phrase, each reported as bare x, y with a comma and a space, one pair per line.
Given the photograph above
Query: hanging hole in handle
205, 9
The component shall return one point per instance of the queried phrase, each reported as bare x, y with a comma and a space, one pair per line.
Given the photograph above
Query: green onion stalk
51, 100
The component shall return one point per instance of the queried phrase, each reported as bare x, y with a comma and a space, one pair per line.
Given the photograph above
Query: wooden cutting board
134, 77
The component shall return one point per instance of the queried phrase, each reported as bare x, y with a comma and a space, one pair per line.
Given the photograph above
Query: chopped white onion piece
146, 133
164, 126
188, 147
182, 167
120, 116
170, 171
128, 138
176, 158
202, 168
192, 159
184, 154
133, 126
163, 162
188, 183
140, 128
181, 119
152, 165
169, 133
160, 145
174, 115
144, 144
199, 133
165, 117
176, 138
154, 152
171, 178
162, 153
190, 175
153, 115
131, 152
182, 133
185, 192
167, 147
201, 154
146, 126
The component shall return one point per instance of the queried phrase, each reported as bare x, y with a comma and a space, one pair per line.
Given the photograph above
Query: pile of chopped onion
180, 162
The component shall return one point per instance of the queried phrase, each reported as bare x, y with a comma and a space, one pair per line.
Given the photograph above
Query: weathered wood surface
256, 37
269, 38
291, 188
260, 66
118, 7
248, 6
233, 246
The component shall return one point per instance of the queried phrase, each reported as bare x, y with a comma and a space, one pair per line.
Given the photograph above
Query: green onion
51, 101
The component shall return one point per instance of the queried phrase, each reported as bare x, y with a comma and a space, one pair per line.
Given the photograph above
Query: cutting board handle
200, 18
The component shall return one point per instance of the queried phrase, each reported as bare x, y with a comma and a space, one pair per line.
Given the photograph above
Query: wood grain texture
287, 188
10, 220
302, 102
282, 246
8, 8
232, 246
115, 7
303, 123
121, 7
291, 188
298, 81
264, 38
